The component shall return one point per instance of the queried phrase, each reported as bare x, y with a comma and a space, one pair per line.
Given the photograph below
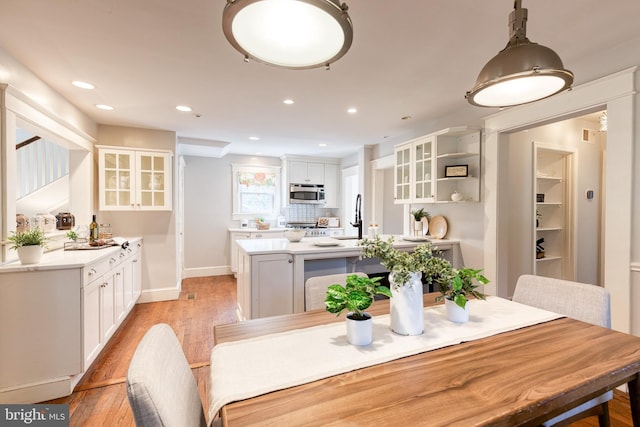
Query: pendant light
520, 73
295, 34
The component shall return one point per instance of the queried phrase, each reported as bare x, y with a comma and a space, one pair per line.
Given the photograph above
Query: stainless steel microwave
307, 193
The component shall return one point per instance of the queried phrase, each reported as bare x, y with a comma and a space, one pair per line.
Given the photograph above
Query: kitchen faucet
358, 222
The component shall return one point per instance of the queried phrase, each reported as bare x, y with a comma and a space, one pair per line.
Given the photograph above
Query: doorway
556, 178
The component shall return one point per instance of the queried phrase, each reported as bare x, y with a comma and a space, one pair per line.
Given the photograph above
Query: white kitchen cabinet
69, 307
306, 172
402, 175
254, 234
264, 285
134, 179
431, 168
413, 178
331, 187
553, 225
108, 295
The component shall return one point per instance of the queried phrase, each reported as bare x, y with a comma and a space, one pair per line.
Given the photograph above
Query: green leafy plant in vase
456, 287
405, 278
419, 215
29, 244
356, 296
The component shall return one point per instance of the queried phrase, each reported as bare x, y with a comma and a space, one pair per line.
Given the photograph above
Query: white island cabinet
56, 316
272, 272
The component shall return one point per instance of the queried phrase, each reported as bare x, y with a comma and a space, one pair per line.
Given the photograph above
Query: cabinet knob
290, 261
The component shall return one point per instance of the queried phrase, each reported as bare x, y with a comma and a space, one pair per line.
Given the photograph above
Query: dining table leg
634, 400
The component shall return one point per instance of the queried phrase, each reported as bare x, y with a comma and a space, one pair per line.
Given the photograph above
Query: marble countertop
60, 259
255, 230
312, 245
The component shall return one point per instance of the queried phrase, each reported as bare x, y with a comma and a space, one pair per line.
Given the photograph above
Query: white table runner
248, 368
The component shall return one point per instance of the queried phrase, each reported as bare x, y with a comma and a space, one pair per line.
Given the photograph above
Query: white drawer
98, 269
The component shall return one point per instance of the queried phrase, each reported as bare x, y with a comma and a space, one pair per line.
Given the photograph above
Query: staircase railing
39, 163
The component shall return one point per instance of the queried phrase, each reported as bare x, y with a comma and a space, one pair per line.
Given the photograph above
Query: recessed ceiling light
254, 138
184, 108
82, 85
288, 101
104, 107
352, 110
322, 144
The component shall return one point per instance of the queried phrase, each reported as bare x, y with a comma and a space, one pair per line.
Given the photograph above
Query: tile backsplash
300, 212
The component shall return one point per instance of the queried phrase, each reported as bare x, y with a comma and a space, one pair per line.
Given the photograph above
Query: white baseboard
155, 295
206, 271
37, 392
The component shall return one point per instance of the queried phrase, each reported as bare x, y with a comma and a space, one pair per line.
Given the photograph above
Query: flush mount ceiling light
520, 73
295, 34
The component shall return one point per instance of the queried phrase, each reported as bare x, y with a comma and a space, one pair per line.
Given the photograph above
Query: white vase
30, 254
455, 313
407, 307
359, 332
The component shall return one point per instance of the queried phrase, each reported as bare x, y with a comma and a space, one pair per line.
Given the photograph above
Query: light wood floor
100, 399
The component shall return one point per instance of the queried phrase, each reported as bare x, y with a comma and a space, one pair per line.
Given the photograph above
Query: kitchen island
272, 272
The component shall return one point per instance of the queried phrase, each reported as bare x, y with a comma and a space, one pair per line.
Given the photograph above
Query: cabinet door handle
117, 274
121, 254
135, 260
92, 272
112, 260
290, 261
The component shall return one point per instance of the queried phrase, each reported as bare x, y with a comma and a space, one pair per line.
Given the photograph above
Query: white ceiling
409, 58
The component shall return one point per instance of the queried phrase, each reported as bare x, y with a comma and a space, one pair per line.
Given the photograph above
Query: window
256, 191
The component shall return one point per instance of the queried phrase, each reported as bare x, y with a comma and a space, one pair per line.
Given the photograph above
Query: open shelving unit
554, 215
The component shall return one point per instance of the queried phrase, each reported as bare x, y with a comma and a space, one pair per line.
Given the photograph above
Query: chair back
580, 301
315, 288
160, 386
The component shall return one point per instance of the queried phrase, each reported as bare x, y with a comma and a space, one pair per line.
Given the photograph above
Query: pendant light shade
522, 72
296, 34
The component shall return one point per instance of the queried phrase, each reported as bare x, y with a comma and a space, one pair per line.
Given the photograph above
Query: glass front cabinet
413, 181
134, 179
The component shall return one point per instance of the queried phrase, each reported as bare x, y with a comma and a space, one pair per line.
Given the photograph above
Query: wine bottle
93, 230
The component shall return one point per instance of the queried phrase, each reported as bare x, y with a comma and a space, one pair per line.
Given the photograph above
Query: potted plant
355, 297
456, 286
418, 216
29, 245
405, 276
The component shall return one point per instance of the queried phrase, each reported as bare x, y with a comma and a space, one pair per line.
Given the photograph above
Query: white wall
160, 280
208, 211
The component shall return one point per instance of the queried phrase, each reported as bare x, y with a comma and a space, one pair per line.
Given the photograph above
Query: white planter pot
30, 254
455, 313
359, 332
407, 308
418, 228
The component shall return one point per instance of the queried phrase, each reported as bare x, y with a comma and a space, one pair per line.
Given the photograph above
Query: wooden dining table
521, 377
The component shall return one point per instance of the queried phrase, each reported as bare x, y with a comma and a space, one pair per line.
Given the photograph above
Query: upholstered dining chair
580, 301
315, 288
161, 389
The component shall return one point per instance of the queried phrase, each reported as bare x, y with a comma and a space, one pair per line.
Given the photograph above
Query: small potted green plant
29, 245
355, 297
456, 286
419, 215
